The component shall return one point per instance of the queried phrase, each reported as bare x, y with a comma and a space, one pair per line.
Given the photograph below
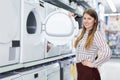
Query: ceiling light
112, 6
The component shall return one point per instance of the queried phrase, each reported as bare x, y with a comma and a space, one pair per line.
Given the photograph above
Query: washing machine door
8, 21
59, 27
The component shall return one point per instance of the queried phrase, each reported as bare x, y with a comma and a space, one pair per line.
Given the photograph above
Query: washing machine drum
59, 28
8, 22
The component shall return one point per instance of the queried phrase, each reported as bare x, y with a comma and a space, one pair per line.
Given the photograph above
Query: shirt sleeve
103, 48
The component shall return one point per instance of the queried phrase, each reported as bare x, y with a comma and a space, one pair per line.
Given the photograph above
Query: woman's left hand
88, 63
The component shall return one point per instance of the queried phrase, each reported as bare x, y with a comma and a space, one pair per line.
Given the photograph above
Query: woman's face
88, 21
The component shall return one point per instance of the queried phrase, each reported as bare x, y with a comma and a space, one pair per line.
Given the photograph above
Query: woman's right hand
71, 14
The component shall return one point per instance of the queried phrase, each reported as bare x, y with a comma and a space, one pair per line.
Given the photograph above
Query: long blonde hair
90, 38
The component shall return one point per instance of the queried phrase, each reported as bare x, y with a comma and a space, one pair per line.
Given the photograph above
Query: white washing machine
58, 30
32, 43
34, 74
53, 71
9, 32
10, 76
68, 69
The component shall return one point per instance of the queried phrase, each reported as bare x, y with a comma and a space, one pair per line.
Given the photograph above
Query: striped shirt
99, 46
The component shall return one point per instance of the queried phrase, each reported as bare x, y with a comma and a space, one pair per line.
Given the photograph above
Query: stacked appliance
59, 30
9, 32
32, 41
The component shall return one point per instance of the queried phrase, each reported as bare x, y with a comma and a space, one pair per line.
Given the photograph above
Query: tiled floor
110, 70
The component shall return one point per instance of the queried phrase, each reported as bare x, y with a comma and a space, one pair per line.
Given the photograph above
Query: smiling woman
87, 45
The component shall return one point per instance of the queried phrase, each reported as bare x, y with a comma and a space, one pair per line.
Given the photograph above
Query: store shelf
30, 64
10, 67
47, 60
116, 56
60, 4
83, 3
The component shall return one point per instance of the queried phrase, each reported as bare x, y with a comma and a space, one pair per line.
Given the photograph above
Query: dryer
9, 32
10, 76
53, 71
32, 43
59, 30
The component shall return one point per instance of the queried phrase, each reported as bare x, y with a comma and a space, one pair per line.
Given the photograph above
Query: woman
87, 45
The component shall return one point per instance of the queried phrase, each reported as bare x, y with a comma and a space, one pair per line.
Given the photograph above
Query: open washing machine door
59, 32
9, 32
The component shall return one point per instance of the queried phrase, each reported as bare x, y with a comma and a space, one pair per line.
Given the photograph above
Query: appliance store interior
37, 37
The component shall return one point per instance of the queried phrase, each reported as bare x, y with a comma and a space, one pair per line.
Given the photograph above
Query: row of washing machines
50, 72
53, 71
33, 30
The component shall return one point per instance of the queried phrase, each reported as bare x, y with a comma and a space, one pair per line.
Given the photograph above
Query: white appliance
9, 32
10, 76
58, 30
53, 71
32, 43
34, 74
68, 69
110, 70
